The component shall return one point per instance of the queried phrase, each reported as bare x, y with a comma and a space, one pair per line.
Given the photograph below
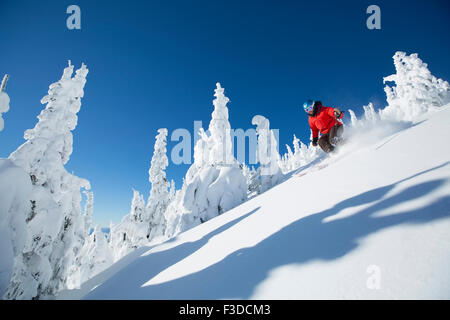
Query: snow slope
373, 224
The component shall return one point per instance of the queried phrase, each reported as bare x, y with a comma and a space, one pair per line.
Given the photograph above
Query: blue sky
154, 64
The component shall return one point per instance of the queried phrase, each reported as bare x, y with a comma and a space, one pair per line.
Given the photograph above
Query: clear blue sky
154, 64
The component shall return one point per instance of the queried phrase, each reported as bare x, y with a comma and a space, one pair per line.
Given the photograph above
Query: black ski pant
326, 139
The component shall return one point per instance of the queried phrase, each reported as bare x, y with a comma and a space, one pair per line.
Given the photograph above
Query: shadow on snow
138, 272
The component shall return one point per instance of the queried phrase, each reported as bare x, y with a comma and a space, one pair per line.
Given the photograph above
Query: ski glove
314, 141
338, 113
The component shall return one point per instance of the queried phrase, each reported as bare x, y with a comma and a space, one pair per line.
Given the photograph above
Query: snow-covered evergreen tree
253, 178
416, 90
353, 118
220, 143
96, 255
55, 220
76, 274
174, 212
132, 231
172, 190
88, 211
370, 117
4, 101
137, 212
159, 194
301, 156
145, 222
267, 154
214, 183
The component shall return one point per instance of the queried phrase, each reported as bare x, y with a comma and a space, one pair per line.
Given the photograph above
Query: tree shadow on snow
144, 268
307, 239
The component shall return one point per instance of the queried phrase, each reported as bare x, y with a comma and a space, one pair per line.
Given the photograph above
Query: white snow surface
373, 224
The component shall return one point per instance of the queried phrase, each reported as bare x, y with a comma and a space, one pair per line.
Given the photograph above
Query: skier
325, 120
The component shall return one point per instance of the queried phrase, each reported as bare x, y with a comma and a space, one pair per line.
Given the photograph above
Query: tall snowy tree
159, 194
174, 212
172, 190
215, 182
4, 101
219, 142
55, 220
145, 222
267, 153
76, 274
416, 90
88, 211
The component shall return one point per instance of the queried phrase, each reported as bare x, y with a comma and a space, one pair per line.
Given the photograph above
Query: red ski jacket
323, 121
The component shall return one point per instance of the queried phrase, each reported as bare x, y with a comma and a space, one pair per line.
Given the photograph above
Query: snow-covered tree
370, 114
88, 211
137, 212
172, 190
214, 183
96, 256
301, 156
76, 274
253, 178
220, 144
132, 231
370, 117
353, 118
159, 194
416, 90
55, 221
267, 154
174, 212
145, 222
4, 101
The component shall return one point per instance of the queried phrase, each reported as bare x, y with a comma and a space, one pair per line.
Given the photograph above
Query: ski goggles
308, 106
